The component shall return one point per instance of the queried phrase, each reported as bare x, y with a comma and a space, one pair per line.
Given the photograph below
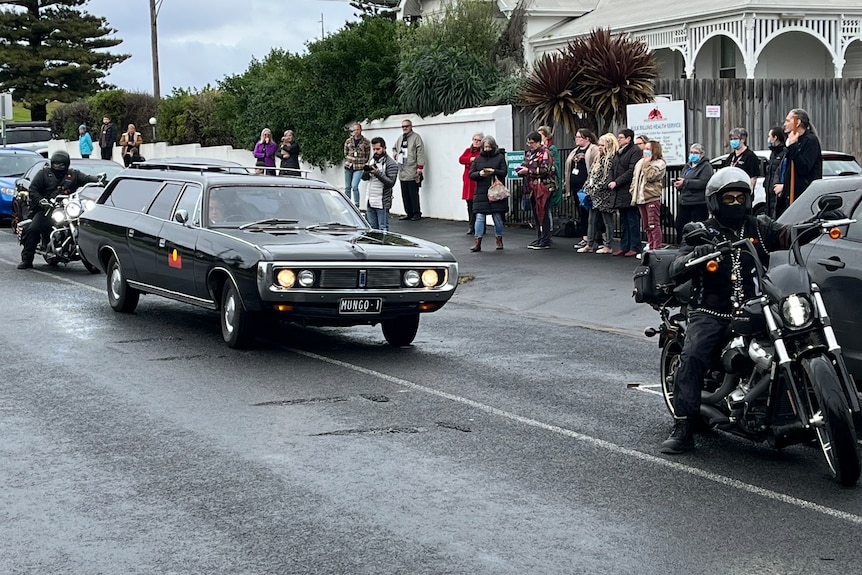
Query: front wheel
670, 358
237, 324
833, 421
122, 298
402, 330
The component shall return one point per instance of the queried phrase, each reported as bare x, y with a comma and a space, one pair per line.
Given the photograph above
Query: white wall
445, 138
810, 58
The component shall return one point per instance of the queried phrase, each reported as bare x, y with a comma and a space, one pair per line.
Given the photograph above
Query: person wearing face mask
774, 176
715, 295
381, 173
53, 180
691, 188
741, 156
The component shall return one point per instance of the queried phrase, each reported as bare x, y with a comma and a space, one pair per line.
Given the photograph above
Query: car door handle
831, 264
131, 233
161, 242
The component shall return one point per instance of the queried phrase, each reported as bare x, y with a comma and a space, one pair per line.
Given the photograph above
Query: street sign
513, 162
6, 106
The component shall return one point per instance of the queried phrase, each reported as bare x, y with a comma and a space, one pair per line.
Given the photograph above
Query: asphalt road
518, 435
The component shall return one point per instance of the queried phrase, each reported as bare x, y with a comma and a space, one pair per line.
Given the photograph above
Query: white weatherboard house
704, 38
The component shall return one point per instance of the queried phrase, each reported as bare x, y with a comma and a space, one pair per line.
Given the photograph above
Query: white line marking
601, 443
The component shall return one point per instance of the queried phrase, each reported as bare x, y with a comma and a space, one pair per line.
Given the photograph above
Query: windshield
840, 167
281, 206
94, 169
16, 165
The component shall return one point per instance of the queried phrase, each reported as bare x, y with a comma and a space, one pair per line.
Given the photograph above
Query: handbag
498, 191
585, 200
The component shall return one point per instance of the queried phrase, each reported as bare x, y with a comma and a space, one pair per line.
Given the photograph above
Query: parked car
834, 164
13, 163
836, 264
256, 247
29, 137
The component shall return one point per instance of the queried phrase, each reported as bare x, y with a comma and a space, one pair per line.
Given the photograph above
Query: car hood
335, 246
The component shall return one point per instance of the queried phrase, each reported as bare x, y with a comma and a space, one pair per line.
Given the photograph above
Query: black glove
695, 233
103, 179
700, 251
45, 204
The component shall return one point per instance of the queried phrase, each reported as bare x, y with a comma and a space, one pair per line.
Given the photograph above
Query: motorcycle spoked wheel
834, 428
670, 358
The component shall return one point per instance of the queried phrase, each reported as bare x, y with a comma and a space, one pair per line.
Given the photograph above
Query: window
135, 195
163, 205
727, 58
190, 201
854, 231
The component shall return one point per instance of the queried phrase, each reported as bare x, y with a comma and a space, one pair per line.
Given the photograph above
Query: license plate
360, 305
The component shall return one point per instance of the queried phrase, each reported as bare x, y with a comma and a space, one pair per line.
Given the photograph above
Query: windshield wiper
268, 222
332, 226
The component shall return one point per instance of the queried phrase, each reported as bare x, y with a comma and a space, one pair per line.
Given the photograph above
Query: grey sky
202, 41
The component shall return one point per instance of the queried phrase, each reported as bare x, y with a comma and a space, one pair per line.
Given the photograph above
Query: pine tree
53, 50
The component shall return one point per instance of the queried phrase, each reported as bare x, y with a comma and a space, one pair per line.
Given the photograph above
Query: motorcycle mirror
829, 202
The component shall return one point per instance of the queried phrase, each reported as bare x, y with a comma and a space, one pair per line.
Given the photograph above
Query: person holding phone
264, 151
804, 159
381, 174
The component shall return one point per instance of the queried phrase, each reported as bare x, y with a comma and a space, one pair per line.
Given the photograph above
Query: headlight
306, 278
73, 210
796, 311
7, 191
411, 278
88, 205
430, 278
57, 216
286, 278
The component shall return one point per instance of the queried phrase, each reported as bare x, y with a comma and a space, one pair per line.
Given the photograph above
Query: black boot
681, 439
25, 265
477, 245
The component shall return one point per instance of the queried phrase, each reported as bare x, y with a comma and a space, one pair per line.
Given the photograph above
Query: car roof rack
203, 165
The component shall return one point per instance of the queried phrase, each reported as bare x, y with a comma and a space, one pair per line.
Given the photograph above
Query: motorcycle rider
53, 180
715, 295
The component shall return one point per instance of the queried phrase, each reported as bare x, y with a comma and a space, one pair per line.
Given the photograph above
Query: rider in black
715, 295
51, 181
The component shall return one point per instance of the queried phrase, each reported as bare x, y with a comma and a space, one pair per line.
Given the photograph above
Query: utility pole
154, 41
321, 25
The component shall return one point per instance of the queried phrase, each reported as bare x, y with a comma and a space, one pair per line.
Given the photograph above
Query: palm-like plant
614, 71
550, 92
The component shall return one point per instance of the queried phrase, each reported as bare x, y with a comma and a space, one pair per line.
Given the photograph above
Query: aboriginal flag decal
175, 260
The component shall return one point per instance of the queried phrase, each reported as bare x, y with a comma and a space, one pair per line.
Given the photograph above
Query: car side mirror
181, 216
829, 202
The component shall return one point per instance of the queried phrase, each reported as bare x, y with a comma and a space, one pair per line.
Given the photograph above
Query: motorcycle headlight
796, 311
73, 210
58, 216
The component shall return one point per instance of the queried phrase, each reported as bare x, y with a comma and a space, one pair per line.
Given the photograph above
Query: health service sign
662, 121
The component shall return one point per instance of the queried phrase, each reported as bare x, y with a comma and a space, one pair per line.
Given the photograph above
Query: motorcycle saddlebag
652, 281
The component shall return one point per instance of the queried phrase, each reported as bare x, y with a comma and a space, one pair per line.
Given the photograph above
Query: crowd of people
624, 175
130, 142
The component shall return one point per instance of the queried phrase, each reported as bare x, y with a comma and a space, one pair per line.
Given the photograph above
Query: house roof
567, 8
625, 14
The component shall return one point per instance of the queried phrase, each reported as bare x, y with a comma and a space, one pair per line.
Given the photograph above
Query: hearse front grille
374, 278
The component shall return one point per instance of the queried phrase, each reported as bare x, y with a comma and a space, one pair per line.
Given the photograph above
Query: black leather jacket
46, 185
713, 291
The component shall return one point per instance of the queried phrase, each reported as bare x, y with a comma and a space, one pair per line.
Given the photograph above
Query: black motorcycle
781, 378
63, 212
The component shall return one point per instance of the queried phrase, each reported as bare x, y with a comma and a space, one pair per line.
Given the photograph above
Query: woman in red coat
469, 188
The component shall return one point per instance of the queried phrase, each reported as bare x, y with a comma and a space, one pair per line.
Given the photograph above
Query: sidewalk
560, 284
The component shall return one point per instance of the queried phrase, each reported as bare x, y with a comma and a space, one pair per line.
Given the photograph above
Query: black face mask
732, 215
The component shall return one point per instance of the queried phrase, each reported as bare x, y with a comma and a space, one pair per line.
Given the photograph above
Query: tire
122, 298
237, 324
670, 357
834, 422
401, 331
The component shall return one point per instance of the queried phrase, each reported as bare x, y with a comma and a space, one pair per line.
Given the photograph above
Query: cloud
202, 41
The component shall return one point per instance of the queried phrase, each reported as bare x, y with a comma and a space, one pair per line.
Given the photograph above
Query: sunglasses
730, 199
404, 127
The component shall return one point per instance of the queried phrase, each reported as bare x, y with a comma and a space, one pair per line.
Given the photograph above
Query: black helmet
60, 161
726, 180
